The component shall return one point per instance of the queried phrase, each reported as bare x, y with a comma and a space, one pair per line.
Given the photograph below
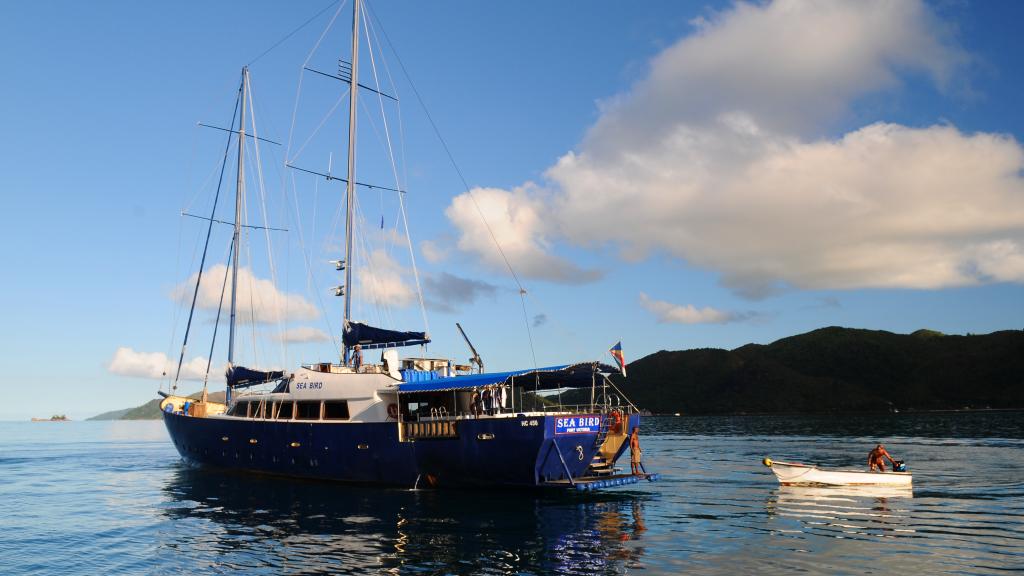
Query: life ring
616, 426
393, 411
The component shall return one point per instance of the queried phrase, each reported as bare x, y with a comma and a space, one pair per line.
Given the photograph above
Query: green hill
836, 369
150, 410
828, 370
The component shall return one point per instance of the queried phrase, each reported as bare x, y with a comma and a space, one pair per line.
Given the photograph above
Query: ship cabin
416, 391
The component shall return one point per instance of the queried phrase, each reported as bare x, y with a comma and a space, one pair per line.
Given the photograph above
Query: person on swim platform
875, 458
634, 450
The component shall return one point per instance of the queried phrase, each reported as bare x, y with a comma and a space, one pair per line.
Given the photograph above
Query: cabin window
307, 410
336, 410
240, 409
284, 411
257, 409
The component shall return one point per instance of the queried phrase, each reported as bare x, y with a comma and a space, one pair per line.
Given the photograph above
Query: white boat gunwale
815, 475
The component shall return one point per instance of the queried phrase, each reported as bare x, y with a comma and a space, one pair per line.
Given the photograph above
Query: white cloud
382, 281
156, 365
518, 224
433, 251
304, 334
258, 299
720, 157
791, 64
666, 312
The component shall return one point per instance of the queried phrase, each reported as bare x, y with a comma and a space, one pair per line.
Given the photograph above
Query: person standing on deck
357, 357
634, 450
474, 403
486, 399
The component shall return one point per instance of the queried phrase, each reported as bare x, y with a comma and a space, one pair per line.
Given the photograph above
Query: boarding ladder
599, 466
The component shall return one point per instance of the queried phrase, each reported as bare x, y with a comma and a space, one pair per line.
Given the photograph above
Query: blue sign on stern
583, 424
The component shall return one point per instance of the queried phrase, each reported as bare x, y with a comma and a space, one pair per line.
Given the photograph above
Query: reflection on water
844, 511
267, 523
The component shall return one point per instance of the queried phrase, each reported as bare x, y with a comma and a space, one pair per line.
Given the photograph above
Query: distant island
54, 418
823, 371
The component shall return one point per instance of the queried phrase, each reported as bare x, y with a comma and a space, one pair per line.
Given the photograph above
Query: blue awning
565, 376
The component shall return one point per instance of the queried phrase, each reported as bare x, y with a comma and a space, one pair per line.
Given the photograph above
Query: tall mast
239, 192
351, 184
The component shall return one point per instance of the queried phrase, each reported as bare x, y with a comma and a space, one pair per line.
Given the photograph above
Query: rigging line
529, 333
232, 223
281, 316
451, 158
293, 32
216, 323
298, 89
180, 305
210, 177
252, 296
236, 132
342, 98
398, 106
398, 183
209, 229
310, 277
465, 184
374, 279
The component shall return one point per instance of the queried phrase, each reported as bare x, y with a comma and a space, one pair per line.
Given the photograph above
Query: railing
435, 429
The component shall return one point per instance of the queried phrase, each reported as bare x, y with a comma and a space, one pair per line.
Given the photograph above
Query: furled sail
242, 377
369, 337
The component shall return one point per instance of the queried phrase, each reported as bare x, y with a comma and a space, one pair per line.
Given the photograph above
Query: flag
616, 352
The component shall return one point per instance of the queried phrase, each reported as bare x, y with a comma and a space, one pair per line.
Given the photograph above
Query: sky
673, 175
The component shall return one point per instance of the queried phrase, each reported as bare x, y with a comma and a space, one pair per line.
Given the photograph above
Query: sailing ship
400, 421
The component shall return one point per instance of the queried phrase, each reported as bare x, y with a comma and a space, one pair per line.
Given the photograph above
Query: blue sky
671, 174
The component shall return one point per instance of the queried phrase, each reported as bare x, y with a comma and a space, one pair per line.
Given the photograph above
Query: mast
239, 192
350, 185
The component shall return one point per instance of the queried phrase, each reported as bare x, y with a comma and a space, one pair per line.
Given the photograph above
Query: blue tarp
369, 337
551, 377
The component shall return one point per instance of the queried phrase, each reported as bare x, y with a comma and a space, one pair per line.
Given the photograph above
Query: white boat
792, 473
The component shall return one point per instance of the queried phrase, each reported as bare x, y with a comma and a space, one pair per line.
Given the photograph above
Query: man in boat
634, 450
875, 458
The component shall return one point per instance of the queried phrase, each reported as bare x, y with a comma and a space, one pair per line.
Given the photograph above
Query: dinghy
792, 473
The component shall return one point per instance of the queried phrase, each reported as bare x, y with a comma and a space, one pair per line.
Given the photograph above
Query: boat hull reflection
270, 522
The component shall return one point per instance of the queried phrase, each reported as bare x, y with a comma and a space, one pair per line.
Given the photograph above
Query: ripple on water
105, 498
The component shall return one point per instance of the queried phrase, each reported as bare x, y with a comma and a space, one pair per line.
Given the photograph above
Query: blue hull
516, 452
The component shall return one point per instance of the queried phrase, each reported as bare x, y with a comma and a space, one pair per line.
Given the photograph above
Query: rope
398, 186
216, 323
298, 89
280, 317
206, 246
293, 32
465, 184
310, 275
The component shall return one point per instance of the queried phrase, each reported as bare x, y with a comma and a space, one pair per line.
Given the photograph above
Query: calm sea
113, 497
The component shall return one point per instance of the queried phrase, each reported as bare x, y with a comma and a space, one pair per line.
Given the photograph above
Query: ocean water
114, 498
